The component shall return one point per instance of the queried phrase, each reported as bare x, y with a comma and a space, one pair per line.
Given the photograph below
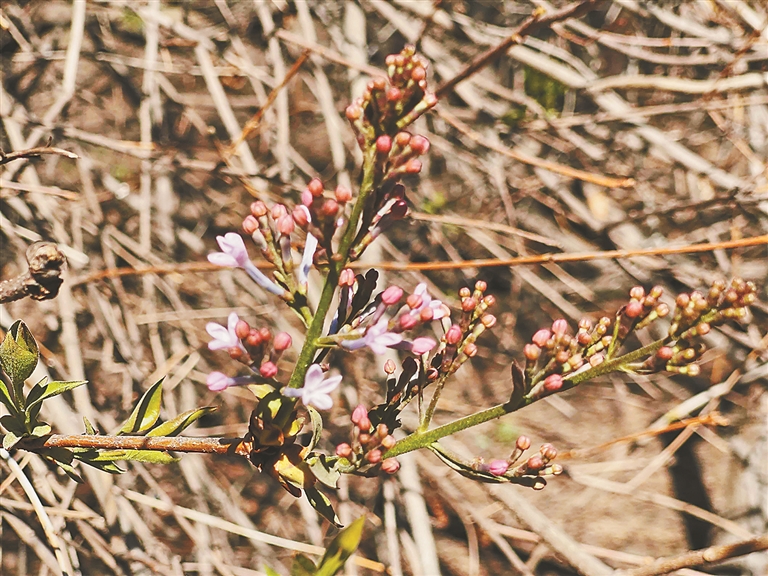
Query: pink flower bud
344, 450
426, 314
265, 334
216, 381
553, 383
347, 277
407, 322
419, 145
413, 166
636, 292
268, 370
254, 338
498, 467
250, 224
278, 211
389, 367
330, 208
301, 215
315, 187
394, 94
418, 74
282, 341
468, 304
488, 320
535, 463
353, 112
402, 139
390, 466
633, 309
414, 301
242, 329
548, 452
364, 425
383, 144
236, 352
454, 334
388, 441
343, 195
665, 353
358, 414
423, 345
285, 225
559, 327
470, 350
531, 352
523, 443
541, 337
258, 209
306, 197
392, 295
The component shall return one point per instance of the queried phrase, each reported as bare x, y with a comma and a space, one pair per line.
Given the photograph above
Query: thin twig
532, 24
43, 278
700, 557
159, 443
421, 266
34, 153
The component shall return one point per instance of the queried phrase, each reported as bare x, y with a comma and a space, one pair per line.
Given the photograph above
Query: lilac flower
377, 338
439, 309
316, 390
224, 338
234, 255
306, 259
218, 381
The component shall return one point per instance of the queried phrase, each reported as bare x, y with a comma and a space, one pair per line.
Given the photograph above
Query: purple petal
423, 345
313, 377
221, 259
328, 385
218, 381
232, 321
292, 392
321, 402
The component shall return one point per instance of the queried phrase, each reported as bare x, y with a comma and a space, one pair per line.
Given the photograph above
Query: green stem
338, 262
423, 439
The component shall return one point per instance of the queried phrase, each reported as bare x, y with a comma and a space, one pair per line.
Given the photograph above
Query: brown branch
532, 24
34, 153
42, 280
421, 266
700, 557
159, 443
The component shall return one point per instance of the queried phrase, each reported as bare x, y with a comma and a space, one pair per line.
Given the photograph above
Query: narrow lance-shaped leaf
148, 456
303, 566
317, 427
147, 411
322, 504
343, 546
181, 422
42, 390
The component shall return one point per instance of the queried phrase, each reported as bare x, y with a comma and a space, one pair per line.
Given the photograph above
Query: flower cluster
253, 347
382, 322
533, 468
368, 445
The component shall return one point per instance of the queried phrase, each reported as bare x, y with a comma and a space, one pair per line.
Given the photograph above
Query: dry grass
150, 96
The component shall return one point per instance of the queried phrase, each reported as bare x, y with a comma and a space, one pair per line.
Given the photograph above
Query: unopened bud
250, 224
282, 341
454, 334
419, 145
374, 456
389, 366
392, 295
315, 187
344, 450
531, 352
498, 467
242, 329
268, 370
343, 194
535, 463
553, 383
390, 466
541, 337
413, 166
523, 443
258, 209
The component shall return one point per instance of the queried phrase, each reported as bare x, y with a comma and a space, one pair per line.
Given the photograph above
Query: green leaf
322, 468
343, 546
40, 430
182, 421
317, 427
5, 398
63, 458
42, 391
9, 440
149, 456
89, 429
303, 566
88, 456
18, 355
147, 411
14, 424
322, 504
270, 572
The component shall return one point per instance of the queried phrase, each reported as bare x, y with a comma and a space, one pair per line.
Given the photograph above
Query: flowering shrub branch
327, 231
